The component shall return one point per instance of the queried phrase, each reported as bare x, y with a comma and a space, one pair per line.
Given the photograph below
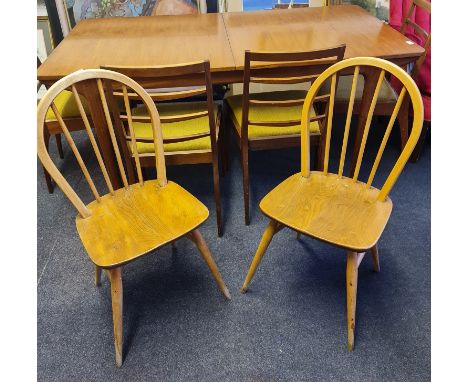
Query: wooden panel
136, 220
315, 28
338, 211
141, 41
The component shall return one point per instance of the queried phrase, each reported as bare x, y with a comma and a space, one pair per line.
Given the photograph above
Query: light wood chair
271, 120
65, 103
191, 130
388, 94
130, 222
331, 207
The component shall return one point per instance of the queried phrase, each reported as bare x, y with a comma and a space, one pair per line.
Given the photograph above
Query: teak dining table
223, 39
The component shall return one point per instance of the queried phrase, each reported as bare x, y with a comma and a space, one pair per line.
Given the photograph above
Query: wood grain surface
223, 39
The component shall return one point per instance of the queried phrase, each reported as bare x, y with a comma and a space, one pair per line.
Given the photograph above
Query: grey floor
290, 326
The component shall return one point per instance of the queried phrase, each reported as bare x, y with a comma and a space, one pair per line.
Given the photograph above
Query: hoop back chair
125, 223
191, 130
331, 207
271, 120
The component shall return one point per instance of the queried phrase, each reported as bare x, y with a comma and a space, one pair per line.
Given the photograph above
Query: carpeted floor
290, 326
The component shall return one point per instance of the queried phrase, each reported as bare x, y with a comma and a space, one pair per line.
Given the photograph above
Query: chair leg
217, 194
420, 145
351, 294
270, 230
227, 142
375, 258
48, 179
58, 140
226, 126
115, 276
197, 238
98, 272
403, 116
245, 179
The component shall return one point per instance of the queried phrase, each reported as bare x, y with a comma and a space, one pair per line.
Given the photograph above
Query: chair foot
245, 181
58, 140
375, 258
115, 276
270, 230
351, 295
420, 145
98, 272
48, 179
197, 238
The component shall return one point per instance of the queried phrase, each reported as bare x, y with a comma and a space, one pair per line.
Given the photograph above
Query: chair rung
284, 80
417, 28
167, 96
282, 103
171, 140
167, 118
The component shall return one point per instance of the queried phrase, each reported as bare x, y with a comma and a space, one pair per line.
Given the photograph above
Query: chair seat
175, 129
271, 113
133, 222
386, 94
338, 211
66, 105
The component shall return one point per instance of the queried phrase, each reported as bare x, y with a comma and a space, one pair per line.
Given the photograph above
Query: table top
222, 38
303, 29
140, 41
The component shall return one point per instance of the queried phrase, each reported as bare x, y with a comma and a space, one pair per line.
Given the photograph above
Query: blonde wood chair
388, 94
124, 224
331, 207
271, 120
191, 130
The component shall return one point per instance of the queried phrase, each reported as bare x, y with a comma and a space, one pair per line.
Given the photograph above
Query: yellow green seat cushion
66, 106
271, 113
386, 93
175, 129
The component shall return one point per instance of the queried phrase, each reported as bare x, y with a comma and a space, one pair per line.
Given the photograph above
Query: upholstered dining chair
123, 224
329, 206
389, 90
271, 120
65, 103
191, 130
416, 25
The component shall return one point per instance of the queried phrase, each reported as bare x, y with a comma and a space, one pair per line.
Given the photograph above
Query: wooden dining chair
65, 103
330, 206
123, 224
424, 38
271, 120
191, 130
388, 95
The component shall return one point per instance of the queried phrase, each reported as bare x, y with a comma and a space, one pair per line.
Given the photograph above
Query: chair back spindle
72, 82
409, 88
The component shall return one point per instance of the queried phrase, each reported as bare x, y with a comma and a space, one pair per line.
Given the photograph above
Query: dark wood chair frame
386, 108
277, 68
150, 76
